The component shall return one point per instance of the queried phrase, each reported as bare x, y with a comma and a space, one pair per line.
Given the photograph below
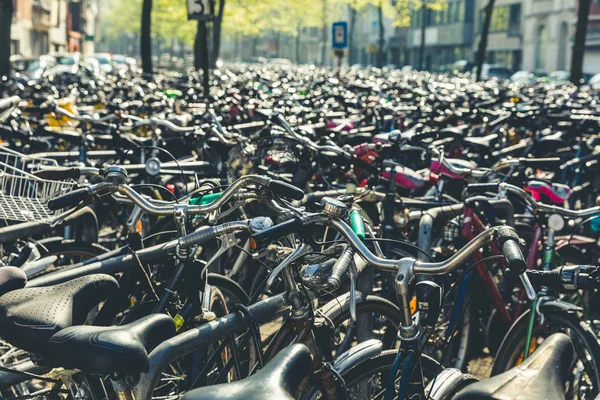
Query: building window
562, 46
505, 18
514, 21
540, 48
14, 47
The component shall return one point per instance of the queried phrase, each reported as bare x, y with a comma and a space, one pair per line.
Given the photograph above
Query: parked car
523, 77
594, 82
559, 77
462, 66
105, 61
495, 71
67, 63
32, 67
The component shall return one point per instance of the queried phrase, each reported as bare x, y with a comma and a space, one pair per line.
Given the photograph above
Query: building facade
549, 27
448, 34
44, 26
505, 38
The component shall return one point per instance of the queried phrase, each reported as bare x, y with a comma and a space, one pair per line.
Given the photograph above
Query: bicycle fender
357, 354
559, 306
335, 307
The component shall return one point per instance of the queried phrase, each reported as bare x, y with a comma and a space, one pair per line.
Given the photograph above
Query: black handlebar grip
482, 187
508, 241
540, 162
285, 190
340, 267
70, 199
280, 230
550, 279
199, 237
58, 173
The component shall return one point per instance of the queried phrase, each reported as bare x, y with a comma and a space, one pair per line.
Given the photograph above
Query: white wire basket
23, 196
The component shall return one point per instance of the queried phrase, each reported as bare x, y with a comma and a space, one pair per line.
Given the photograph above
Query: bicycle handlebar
73, 198
538, 206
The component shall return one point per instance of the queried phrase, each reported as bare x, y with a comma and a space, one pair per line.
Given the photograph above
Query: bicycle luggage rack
23, 196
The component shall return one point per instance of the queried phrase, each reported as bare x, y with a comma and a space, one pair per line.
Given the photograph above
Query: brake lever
352, 274
226, 242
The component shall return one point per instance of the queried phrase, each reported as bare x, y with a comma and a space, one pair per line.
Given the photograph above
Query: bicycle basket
23, 196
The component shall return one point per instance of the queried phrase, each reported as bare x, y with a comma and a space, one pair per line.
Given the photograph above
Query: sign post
339, 41
201, 11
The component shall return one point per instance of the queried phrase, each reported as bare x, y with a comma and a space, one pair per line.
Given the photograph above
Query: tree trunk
324, 32
583, 14
298, 45
381, 55
145, 39
201, 54
422, 47
6, 13
217, 23
483, 41
254, 44
351, 36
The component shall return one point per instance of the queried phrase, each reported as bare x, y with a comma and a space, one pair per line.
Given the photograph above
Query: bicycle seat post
123, 385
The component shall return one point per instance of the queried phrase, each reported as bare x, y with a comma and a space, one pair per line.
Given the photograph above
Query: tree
583, 14
217, 31
201, 54
6, 13
145, 37
489, 9
351, 35
381, 54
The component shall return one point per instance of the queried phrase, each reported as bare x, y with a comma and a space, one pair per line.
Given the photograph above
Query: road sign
199, 9
339, 35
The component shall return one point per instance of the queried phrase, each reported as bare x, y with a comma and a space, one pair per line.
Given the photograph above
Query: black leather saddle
30, 316
542, 376
11, 278
101, 350
279, 379
482, 141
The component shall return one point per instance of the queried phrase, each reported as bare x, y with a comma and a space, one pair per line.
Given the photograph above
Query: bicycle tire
378, 367
68, 249
286, 335
513, 344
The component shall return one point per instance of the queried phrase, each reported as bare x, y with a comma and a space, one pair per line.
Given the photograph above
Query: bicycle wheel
585, 380
377, 317
68, 252
369, 379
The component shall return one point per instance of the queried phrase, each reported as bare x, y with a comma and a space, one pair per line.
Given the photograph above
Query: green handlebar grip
356, 223
206, 199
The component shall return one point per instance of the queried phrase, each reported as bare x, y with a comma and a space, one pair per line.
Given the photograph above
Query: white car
594, 82
105, 61
523, 77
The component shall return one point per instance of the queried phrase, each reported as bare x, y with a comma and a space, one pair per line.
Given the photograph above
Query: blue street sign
339, 35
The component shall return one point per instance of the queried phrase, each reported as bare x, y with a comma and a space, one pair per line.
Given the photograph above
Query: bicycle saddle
101, 350
30, 316
556, 192
483, 141
11, 278
279, 379
541, 376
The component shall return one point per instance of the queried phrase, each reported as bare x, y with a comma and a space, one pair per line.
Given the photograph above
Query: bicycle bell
258, 224
116, 174
333, 207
